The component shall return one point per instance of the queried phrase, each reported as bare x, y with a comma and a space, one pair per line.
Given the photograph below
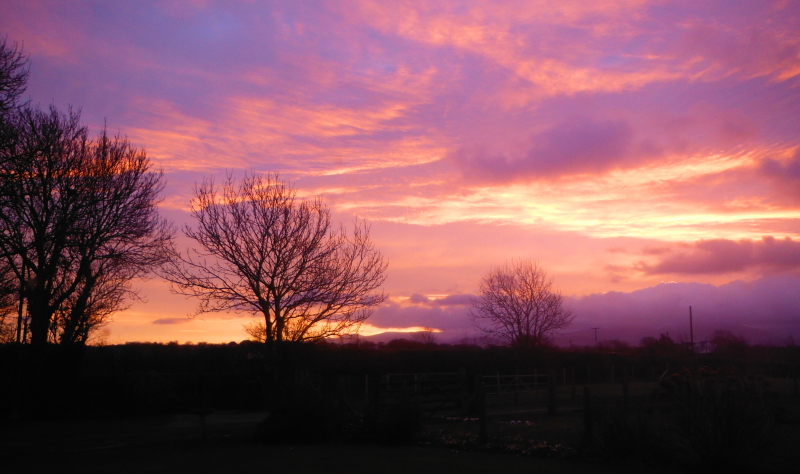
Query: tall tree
518, 305
260, 250
78, 219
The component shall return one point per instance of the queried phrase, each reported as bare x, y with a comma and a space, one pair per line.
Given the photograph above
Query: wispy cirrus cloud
171, 321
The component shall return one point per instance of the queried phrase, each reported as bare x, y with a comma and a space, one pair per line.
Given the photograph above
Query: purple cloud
719, 256
453, 320
784, 174
764, 310
449, 300
171, 321
582, 146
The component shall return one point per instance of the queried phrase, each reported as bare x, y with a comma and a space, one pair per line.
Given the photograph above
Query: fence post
573, 382
551, 392
483, 425
625, 389
587, 415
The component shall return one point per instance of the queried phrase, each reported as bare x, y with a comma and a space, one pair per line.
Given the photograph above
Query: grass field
173, 445
518, 442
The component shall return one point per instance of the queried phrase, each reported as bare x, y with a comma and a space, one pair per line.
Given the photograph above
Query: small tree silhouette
518, 305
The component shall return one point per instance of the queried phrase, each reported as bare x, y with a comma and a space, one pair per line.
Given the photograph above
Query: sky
645, 153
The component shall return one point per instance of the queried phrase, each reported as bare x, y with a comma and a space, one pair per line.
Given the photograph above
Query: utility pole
691, 331
595, 337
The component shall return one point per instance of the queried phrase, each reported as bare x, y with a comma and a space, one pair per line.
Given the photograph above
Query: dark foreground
175, 444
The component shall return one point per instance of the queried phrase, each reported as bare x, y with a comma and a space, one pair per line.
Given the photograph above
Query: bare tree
427, 337
262, 251
13, 75
78, 221
9, 290
517, 304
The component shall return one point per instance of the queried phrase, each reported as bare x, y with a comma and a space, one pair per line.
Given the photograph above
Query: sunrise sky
646, 153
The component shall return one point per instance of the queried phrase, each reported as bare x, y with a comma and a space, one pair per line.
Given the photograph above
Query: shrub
720, 417
637, 435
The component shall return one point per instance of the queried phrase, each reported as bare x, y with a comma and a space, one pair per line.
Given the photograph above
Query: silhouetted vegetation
78, 219
716, 419
260, 251
518, 305
13, 75
327, 393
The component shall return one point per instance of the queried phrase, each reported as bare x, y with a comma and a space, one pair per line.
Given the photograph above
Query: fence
455, 394
504, 390
438, 393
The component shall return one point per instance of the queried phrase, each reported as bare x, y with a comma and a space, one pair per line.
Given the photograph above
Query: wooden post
691, 332
587, 415
203, 427
573, 383
551, 392
625, 389
483, 424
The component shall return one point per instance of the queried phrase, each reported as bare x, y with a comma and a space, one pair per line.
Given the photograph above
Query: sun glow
370, 330
640, 202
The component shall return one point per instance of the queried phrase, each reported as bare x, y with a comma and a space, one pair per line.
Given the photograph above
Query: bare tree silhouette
78, 220
427, 336
261, 251
518, 305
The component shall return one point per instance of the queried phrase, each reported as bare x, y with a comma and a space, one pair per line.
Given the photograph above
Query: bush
148, 393
303, 417
717, 419
400, 425
720, 418
637, 435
